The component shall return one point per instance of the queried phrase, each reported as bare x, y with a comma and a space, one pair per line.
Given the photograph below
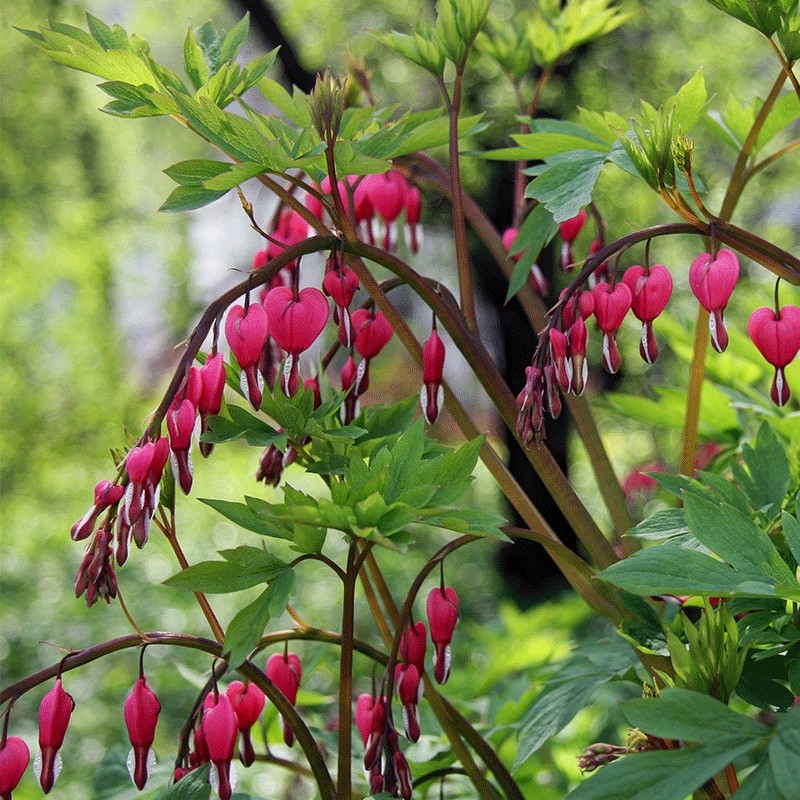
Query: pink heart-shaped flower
650, 292
14, 759
295, 324
611, 305
372, 332
713, 281
246, 333
776, 336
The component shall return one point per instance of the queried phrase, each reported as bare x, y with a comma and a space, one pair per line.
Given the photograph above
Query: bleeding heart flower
246, 333
96, 573
777, 336
579, 304
403, 773
387, 194
569, 230
442, 618
141, 717
530, 405
413, 208
551, 390
610, 307
54, 713
248, 702
373, 332
295, 323
180, 424
220, 728
291, 230
14, 759
285, 672
650, 292
137, 465
413, 641
363, 716
559, 355
213, 378
374, 741
432, 394
578, 336
106, 494
341, 283
713, 281
407, 680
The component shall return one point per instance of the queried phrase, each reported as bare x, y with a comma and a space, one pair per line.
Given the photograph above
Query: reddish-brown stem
344, 779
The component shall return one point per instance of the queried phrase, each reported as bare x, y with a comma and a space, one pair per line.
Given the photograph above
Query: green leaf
535, 233
109, 38
245, 629
736, 539
234, 39
436, 132
570, 689
418, 46
658, 775
670, 569
245, 517
188, 198
687, 715
791, 530
194, 786
662, 525
194, 60
246, 568
549, 137
785, 111
769, 470
728, 491
295, 109
566, 186
784, 754
688, 103
196, 172
763, 16
236, 174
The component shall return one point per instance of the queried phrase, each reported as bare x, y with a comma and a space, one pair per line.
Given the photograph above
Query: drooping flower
180, 424
295, 322
387, 194
220, 728
212, 375
141, 717
569, 230
413, 207
777, 336
610, 307
96, 573
106, 494
246, 333
712, 280
578, 335
341, 283
54, 713
14, 759
650, 292
442, 609
285, 671
413, 642
248, 702
290, 230
432, 395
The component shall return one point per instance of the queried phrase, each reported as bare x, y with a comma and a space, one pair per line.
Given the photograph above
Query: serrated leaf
566, 186
245, 629
736, 539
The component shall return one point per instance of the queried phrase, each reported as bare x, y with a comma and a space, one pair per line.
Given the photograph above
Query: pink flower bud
432, 395
569, 229
413, 208
551, 390
374, 742
212, 375
559, 353
248, 702
579, 304
413, 641
220, 728
712, 282
14, 759
530, 405
363, 716
777, 336
578, 336
286, 673
341, 284
409, 687
403, 775
141, 716
442, 618
372, 330
54, 713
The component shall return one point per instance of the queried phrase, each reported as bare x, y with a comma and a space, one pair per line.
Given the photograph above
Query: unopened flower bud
442, 617
54, 713
141, 716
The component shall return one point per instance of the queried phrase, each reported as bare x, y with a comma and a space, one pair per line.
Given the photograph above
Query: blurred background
97, 289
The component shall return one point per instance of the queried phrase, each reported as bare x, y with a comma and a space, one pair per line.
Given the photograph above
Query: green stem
466, 289
764, 163
344, 778
694, 392
738, 176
